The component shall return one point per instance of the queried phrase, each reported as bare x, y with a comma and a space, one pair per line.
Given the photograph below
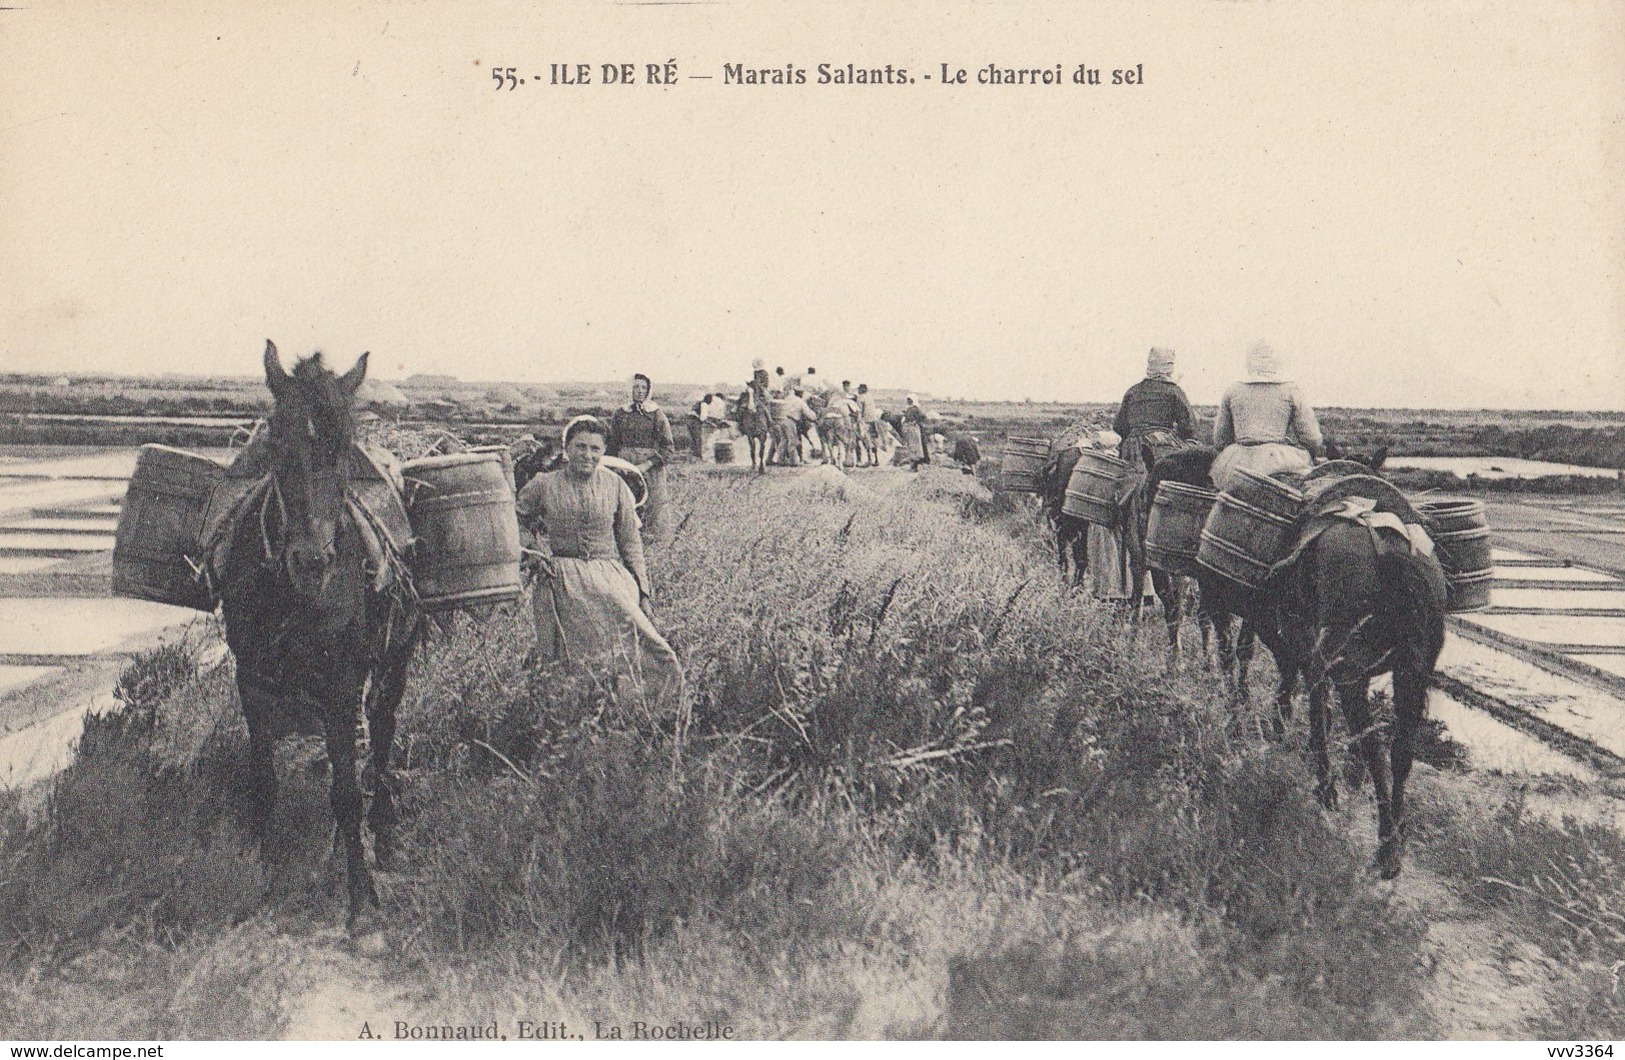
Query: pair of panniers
461, 508
1091, 492
1243, 532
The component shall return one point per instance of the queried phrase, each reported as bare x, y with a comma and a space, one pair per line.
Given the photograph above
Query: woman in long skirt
1109, 575
593, 602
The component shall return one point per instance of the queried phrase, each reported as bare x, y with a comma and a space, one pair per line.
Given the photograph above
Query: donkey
315, 637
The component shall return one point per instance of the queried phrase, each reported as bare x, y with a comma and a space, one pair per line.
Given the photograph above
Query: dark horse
1354, 605
318, 643
1224, 603
1072, 541
755, 421
1238, 615
1136, 516
1358, 604
1071, 533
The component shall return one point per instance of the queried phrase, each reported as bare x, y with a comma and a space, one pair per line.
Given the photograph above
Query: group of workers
805, 420
593, 595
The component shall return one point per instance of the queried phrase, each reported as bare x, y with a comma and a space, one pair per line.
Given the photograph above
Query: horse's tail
1413, 585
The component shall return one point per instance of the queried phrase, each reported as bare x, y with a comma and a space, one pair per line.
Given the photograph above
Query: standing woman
1265, 425
639, 432
1110, 577
593, 599
914, 433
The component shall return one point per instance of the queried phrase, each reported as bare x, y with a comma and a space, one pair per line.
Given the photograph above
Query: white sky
1422, 202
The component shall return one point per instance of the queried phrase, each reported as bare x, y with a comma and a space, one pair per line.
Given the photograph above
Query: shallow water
37, 626
1498, 466
1495, 746
26, 564
29, 540
1562, 701
16, 676
1558, 598
65, 524
19, 497
36, 752
1614, 664
1557, 629
1552, 574
115, 465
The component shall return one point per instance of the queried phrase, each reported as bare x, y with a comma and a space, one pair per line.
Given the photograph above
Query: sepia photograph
737, 520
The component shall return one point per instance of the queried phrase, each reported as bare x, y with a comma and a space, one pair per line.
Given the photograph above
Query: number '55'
505, 73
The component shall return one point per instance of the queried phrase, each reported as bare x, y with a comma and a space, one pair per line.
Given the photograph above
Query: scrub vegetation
923, 791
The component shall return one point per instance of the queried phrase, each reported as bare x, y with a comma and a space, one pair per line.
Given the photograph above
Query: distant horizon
694, 388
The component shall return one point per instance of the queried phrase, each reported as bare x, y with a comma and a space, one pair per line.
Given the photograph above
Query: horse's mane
328, 399
1191, 467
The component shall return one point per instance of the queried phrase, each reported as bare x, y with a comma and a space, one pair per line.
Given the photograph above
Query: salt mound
829, 480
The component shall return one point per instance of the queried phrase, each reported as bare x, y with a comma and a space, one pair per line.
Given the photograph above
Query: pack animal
1071, 533
1358, 602
1351, 605
1170, 588
755, 420
321, 636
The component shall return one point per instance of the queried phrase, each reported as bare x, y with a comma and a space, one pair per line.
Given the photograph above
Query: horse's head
1372, 461
311, 429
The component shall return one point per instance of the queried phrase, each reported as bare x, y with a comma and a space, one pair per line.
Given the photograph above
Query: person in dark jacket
1155, 403
640, 433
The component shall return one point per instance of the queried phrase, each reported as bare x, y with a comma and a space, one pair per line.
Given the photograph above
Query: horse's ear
1333, 450
1378, 458
275, 377
352, 379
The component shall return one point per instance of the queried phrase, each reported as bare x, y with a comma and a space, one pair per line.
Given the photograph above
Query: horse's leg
1319, 722
257, 711
1354, 696
1225, 650
1410, 707
1246, 643
1288, 663
1170, 590
339, 719
1285, 687
383, 700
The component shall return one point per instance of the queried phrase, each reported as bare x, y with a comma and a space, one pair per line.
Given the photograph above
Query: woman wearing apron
592, 603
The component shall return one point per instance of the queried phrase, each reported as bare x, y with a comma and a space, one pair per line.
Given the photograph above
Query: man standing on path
868, 427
